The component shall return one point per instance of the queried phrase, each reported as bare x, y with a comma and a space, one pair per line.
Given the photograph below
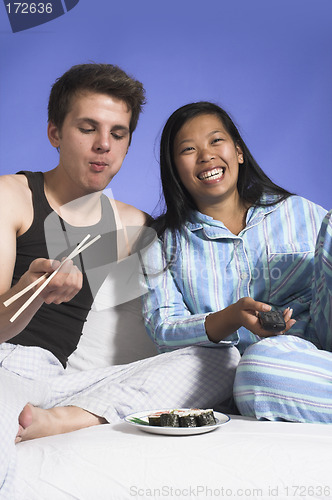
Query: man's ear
53, 134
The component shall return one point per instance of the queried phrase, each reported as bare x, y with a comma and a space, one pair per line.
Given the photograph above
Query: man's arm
130, 222
15, 217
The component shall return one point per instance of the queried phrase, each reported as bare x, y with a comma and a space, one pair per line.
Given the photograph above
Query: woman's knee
281, 378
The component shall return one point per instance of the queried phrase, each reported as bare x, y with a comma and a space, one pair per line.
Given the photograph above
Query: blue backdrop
267, 62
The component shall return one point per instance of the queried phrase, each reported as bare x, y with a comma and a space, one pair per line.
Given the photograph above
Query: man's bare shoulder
130, 215
12, 187
15, 200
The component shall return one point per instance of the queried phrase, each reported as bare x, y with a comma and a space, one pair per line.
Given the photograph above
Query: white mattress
241, 459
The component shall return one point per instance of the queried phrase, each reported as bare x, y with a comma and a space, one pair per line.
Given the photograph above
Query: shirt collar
216, 228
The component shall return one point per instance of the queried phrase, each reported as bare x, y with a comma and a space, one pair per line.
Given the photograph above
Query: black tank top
58, 327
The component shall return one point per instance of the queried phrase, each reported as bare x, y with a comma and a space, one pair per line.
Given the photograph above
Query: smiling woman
195, 138
233, 245
207, 161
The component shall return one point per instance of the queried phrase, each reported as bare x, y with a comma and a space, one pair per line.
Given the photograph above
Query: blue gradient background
267, 62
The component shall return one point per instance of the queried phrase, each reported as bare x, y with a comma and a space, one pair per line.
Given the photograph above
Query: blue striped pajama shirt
271, 260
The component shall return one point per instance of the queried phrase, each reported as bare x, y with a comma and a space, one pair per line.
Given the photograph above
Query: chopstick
77, 250
41, 278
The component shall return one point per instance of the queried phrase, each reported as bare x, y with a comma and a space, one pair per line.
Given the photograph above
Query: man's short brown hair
101, 78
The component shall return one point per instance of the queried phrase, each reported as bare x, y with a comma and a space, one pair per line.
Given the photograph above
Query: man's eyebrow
91, 121
121, 127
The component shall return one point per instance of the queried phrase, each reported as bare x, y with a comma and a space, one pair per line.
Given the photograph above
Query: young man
93, 111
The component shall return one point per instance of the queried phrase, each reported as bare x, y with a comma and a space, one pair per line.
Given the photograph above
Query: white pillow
114, 333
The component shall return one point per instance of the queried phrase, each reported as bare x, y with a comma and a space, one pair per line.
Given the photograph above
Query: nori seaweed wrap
183, 418
169, 420
155, 420
205, 417
187, 420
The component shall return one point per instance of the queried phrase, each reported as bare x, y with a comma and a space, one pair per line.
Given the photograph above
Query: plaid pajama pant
189, 377
286, 377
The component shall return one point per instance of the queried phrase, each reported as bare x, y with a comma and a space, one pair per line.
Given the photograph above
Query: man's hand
65, 284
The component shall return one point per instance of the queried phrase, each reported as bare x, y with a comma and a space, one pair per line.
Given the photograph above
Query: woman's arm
171, 324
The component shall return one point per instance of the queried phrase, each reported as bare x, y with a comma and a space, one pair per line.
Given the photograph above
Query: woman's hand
248, 309
244, 312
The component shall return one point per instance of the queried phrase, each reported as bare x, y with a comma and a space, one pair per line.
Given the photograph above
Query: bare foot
33, 423
24, 421
36, 422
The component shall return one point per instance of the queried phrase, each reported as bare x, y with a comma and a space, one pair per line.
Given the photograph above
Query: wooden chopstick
26, 289
73, 254
41, 278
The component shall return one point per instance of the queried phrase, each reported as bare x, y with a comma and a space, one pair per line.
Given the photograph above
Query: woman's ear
239, 154
53, 134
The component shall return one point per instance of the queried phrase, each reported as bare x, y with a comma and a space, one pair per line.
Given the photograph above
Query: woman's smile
214, 174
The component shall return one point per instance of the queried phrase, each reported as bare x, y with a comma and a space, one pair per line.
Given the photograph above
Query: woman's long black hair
252, 181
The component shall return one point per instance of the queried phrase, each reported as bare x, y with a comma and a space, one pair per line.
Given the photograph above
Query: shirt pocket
290, 271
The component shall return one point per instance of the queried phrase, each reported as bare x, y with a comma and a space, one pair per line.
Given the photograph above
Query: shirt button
244, 276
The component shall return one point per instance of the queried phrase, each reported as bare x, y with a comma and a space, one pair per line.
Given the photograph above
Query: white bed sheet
242, 459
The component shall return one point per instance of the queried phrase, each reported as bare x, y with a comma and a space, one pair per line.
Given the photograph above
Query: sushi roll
182, 418
170, 419
205, 417
155, 420
187, 419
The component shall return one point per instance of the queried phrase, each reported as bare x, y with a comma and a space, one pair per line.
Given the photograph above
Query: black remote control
272, 321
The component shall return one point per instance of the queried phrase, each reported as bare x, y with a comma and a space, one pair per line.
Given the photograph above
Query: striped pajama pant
286, 377
189, 377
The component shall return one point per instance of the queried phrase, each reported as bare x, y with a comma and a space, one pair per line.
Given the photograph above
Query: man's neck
74, 208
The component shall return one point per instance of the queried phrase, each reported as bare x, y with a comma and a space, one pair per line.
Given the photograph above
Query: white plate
221, 419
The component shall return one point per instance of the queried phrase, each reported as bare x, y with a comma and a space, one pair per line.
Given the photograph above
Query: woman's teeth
216, 173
